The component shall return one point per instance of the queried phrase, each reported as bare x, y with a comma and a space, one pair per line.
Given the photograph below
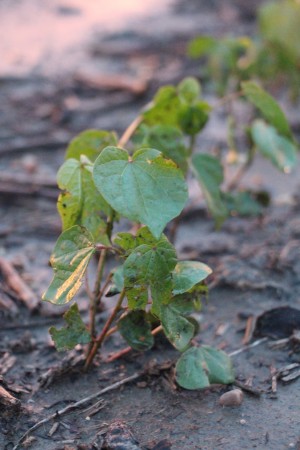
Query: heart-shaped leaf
74, 333
197, 368
70, 258
210, 175
188, 273
145, 187
278, 149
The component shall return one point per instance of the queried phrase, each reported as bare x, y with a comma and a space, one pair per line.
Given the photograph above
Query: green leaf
118, 278
178, 329
279, 150
164, 107
70, 258
268, 107
149, 265
219, 365
197, 368
145, 187
242, 203
186, 304
188, 273
193, 118
136, 330
80, 203
129, 242
168, 139
74, 333
90, 143
189, 90
210, 175
201, 45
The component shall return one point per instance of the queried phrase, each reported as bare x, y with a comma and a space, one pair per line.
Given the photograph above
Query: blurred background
70, 65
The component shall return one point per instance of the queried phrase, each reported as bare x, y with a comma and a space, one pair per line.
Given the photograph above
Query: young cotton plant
101, 184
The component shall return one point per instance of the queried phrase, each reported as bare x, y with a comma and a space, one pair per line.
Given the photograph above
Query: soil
255, 260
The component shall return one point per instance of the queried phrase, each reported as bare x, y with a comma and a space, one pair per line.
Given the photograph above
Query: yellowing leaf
70, 258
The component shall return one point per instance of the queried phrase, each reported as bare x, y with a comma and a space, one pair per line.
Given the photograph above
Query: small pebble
232, 398
243, 422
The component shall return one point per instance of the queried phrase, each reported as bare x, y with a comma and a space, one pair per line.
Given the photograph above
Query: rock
232, 398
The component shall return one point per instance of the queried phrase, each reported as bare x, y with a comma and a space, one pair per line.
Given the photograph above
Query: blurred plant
272, 56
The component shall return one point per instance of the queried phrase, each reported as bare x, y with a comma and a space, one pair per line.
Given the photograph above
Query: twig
274, 379
248, 331
247, 347
16, 283
116, 82
247, 388
118, 354
7, 400
76, 405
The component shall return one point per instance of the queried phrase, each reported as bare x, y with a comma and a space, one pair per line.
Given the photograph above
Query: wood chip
7, 400
18, 285
113, 82
53, 429
7, 362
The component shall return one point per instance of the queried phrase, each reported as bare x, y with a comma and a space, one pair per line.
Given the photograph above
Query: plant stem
129, 131
94, 300
234, 182
192, 144
126, 350
111, 331
98, 342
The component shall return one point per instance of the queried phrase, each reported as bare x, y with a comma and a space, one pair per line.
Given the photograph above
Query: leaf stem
98, 342
129, 131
